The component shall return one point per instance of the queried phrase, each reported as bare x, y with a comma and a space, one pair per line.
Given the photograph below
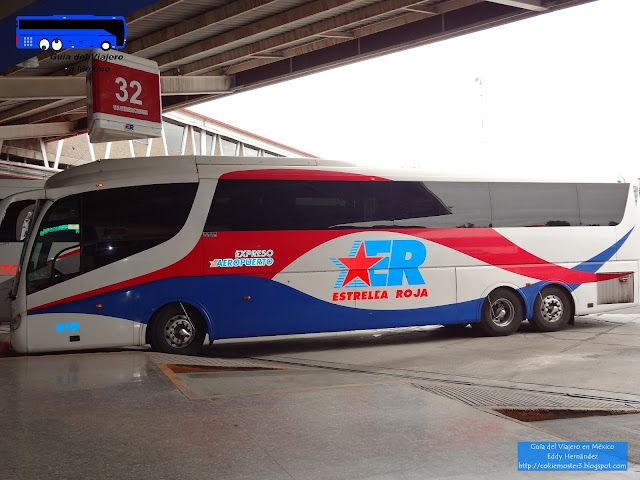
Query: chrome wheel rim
179, 331
551, 308
502, 312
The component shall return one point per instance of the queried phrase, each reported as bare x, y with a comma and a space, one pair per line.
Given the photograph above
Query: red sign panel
125, 91
123, 98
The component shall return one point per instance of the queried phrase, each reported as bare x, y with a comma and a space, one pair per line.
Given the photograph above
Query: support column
43, 151
56, 162
217, 145
192, 135
92, 153
203, 142
164, 142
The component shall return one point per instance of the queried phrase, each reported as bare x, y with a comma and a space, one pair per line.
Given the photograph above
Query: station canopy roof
211, 48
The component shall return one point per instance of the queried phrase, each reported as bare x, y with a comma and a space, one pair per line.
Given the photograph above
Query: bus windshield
36, 212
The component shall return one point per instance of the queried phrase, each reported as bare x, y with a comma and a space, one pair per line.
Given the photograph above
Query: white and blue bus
169, 250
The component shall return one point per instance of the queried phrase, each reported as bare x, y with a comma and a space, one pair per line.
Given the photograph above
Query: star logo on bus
359, 266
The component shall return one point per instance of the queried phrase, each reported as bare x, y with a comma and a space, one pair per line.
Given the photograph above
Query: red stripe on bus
293, 174
491, 247
189, 266
483, 244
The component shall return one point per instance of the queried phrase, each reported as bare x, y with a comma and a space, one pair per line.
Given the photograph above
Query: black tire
502, 313
552, 310
105, 46
178, 331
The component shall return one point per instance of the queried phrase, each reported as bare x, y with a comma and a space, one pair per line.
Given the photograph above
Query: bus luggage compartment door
616, 290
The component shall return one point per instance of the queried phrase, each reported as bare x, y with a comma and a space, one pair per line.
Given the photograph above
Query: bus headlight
15, 323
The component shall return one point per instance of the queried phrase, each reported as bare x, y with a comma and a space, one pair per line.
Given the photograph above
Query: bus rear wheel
502, 313
552, 310
177, 330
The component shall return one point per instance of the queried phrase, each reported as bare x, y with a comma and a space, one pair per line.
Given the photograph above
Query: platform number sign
123, 95
125, 99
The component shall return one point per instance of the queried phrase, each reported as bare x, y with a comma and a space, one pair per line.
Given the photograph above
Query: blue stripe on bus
274, 308
593, 264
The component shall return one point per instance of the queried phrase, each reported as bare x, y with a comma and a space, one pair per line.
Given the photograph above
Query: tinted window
121, 222
249, 205
534, 204
466, 205
83, 232
601, 203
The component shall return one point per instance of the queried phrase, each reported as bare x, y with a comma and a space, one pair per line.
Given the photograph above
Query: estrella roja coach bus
168, 250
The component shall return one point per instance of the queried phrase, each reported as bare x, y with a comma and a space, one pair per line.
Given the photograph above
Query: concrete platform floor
387, 404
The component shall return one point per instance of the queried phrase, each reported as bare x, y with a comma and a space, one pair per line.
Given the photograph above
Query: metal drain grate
539, 414
215, 361
504, 397
199, 368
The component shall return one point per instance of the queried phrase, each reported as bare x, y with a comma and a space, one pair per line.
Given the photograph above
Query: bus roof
10, 186
184, 169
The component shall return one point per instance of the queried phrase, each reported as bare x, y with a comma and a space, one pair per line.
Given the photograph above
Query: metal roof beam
533, 5
192, 25
30, 108
11, 132
242, 33
42, 88
193, 85
315, 29
151, 10
326, 41
474, 15
337, 35
57, 111
421, 9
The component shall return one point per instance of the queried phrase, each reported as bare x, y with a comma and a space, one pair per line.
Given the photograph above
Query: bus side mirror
66, 262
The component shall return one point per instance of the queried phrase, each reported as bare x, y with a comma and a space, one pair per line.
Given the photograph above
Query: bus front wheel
552, 310
105, 45
502, 313
177, 330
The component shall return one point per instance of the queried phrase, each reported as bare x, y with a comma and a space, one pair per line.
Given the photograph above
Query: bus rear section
205, 247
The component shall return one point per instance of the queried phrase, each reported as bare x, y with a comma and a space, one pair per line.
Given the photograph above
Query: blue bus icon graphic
57, 32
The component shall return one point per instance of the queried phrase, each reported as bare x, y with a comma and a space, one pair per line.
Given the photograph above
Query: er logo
382, 263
